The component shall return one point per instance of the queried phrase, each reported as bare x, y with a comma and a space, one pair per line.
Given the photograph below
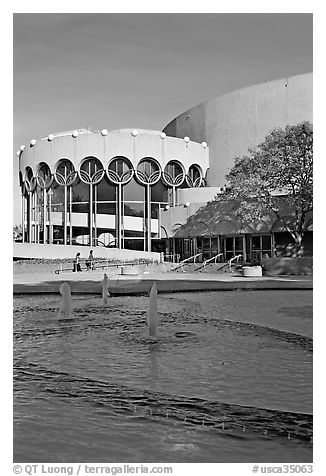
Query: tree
17, 232
276, 176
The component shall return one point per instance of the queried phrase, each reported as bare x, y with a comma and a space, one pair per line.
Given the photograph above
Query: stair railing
208, 260
185, 261
235, 258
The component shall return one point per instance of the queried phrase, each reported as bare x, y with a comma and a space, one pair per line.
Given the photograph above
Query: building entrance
232, 246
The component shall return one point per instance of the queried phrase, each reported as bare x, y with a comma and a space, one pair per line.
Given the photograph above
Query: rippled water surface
229, 379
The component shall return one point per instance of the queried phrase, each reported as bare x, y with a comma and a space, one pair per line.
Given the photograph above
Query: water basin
228, 379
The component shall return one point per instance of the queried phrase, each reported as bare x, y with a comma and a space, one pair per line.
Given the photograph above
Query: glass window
28, 173
173, 168
105, 190
255, 242
154, 210
120, 165
80, 192
206, 243
215, 244
57, 194
65, 167
159, 192
134, 244
120, 170
106, 208
170, 196
44, 175
134, 209
148, 169
238, 243
133, 191
173, 174
57, 234
91, 165
266, 242
261, 246
194, 176
80, 207
194, 172
229, 243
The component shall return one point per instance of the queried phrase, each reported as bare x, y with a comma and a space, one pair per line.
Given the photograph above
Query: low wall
32, 250
289, 266
30, 267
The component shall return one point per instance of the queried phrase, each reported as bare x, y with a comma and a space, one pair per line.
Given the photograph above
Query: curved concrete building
135, 189
102, 187
235, 122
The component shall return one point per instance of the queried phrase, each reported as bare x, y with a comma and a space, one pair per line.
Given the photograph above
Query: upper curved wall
235, 122
105, 147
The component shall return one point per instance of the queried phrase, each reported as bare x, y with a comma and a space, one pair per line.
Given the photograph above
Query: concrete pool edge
141, 284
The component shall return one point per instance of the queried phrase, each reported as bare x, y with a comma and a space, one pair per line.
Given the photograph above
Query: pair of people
89, 262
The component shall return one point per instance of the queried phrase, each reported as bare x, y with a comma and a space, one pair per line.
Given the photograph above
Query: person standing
76, 263
90, 261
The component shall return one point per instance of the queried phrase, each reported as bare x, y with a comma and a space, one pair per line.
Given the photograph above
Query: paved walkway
91, 282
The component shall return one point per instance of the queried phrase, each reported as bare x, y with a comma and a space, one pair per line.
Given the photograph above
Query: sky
111, 70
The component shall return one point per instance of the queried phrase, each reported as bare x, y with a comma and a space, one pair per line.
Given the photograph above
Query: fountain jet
66, 305
105, 292
152, 313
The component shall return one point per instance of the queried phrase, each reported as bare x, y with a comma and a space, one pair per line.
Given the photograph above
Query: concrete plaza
90, 282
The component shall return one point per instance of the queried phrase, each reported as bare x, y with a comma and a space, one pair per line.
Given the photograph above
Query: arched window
21, 180
194, 176
28, 173
91, 170
65, 173
30, 181
120, 170
44, 176
148, 171
173, 174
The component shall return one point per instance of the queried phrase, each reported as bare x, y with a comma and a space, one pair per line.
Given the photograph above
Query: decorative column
44, 180
173, 180
37, 216
119, 172
65, 216
29, 218
159, 234
91, 180
33, 185
32, 218
70, 215
23, 218
148, 217
95, 214
66, 181
44, 216
119, 216
50, 220
148, 178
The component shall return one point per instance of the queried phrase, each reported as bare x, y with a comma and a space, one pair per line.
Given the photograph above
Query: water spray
105, 292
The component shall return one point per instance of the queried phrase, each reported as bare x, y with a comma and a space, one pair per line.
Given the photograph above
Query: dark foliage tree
276, 176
